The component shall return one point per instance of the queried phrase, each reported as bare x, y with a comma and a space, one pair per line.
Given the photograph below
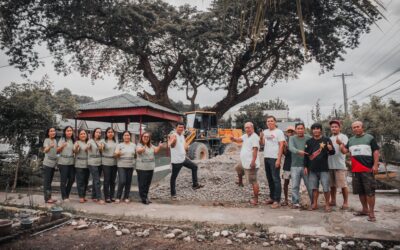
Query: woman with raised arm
66, 162
145, 165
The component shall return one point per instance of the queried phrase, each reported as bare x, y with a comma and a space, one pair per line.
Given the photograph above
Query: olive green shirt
94, 156
107, 156
81, 158
50, 158
67, 154
127, 158
146, 160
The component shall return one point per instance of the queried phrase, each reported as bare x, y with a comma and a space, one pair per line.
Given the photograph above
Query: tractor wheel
229, 148
198, 151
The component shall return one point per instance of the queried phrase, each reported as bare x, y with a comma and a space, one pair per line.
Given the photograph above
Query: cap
335, 121
290, 128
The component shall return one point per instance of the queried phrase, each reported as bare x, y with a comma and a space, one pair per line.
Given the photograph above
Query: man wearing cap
318, 148
286, 165
337, 165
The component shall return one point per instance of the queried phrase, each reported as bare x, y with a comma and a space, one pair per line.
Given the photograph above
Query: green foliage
159, 131
183, 48
276, 104
254, 116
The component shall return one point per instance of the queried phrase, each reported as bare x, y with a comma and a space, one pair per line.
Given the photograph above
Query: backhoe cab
204, 137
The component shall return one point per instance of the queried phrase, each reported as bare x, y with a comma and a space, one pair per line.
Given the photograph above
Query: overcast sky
377, 56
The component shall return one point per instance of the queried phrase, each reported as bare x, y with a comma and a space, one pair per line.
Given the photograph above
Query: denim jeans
95, 171
48, 174
274, 179
110, 174
82, 180
176, 168
67, 178
124, 182
314, 178
297, 173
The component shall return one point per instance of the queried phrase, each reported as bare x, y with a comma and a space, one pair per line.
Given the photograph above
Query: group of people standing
315, 159
78, 159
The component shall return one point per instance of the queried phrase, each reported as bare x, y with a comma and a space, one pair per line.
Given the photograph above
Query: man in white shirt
337, 165
273, 140
249, 158
177, 143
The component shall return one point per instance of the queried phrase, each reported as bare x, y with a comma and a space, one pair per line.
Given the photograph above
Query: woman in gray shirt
81, 165
66, 162
145, 165
109, 164
95, 147
125, 154
49, 162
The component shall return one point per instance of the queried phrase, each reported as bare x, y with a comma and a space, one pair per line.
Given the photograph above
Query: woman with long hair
145, 165
49, 162
95, 147
66, 162
81, 164
109, 164
125, 154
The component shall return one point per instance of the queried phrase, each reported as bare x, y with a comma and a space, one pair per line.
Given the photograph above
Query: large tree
236, 46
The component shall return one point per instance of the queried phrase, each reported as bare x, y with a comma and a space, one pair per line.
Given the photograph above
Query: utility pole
343, 76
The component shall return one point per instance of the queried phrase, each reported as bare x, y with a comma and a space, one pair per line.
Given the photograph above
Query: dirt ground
97, 238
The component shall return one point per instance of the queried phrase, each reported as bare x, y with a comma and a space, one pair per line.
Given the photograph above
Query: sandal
371, 219
269, 202
117, 201
285, 203
81, 200
275, 205
127, 201
344, 207
360, 213
50, 201
101, 202
328, 209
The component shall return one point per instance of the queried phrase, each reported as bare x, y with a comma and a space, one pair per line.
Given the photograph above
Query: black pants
48, 174
95, 172
176, 168
82, 180
110, 174
124, 182
67, 176
144, 181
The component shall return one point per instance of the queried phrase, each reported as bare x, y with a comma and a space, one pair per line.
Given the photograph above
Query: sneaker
296, 206
174, 197
275, 205
197, 186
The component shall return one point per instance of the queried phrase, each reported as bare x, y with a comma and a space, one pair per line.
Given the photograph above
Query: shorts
250, 174
338, 178
364, 183
314, 178
286, 175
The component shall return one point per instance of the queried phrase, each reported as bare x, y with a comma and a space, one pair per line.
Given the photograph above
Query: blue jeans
274, 179
297, 173
315, 178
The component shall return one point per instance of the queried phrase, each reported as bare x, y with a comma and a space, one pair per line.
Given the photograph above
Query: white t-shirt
338, 160
178, 153
271, 142
246, 153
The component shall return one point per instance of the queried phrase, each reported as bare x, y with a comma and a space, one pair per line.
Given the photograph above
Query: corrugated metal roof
124, 101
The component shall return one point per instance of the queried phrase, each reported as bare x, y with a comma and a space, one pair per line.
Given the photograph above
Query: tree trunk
19, 162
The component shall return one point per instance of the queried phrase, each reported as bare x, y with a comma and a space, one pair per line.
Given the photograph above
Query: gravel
219, 176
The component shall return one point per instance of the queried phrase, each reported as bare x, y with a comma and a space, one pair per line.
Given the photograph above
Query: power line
10, 65
390, 85
375, 83
390, 92
392, 54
